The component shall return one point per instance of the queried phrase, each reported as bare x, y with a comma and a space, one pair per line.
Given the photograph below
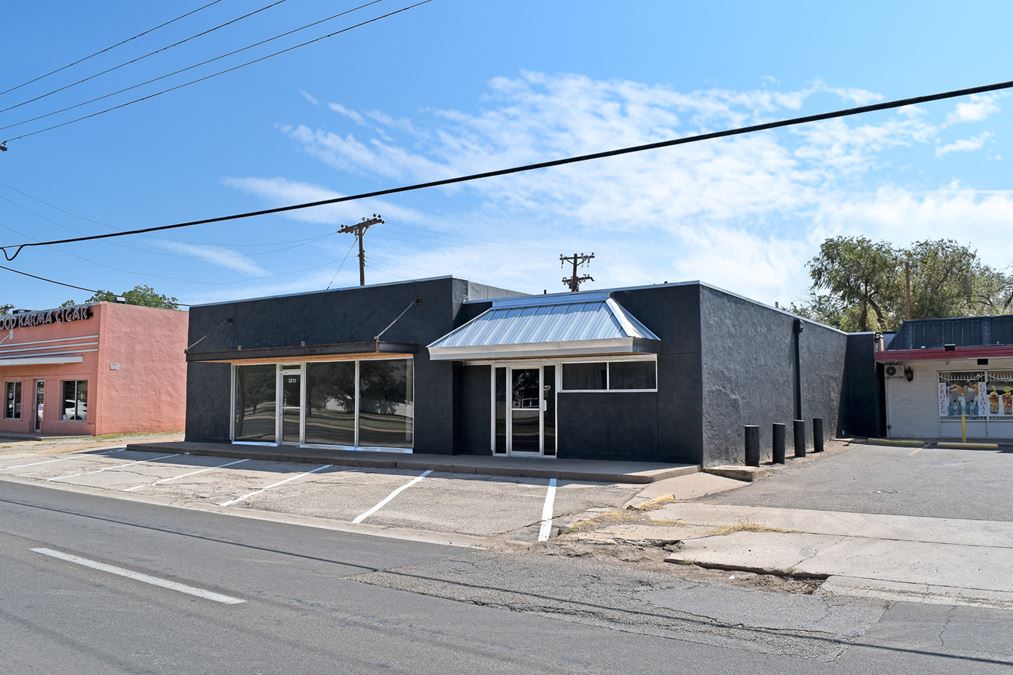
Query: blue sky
459, 86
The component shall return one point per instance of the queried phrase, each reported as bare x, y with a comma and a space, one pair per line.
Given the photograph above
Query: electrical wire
47, 279
106, 49
190, 67
340, 265
215, 74
141, 57
793, 121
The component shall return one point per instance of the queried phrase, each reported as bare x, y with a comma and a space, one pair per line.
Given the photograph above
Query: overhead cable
141, 57
11, 251
106, 49
215, 74
187, 68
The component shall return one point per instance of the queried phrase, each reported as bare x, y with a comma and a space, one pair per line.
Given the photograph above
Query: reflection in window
256, 402
386, 404
632, 375
75, 400
581, 376
330, 403
12, 392
501, 398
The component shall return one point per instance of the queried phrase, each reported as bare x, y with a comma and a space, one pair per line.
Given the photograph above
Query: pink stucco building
93, 369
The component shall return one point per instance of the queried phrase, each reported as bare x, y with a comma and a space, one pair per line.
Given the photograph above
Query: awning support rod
376, 339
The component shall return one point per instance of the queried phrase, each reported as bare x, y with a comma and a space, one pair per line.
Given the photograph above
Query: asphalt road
930, 482
320, 601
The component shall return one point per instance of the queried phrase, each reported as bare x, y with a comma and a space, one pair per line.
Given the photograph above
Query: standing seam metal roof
517, 323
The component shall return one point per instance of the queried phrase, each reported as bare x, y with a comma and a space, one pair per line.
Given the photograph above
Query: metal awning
39, 361
576, 325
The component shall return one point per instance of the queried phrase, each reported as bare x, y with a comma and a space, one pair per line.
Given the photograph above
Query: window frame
608, 376
17, 403
77, 401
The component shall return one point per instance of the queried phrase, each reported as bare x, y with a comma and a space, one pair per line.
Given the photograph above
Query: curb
895, 442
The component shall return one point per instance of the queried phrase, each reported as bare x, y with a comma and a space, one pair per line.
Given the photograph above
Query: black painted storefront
722, 362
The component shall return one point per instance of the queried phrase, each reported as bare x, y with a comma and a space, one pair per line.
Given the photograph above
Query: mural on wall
976, 394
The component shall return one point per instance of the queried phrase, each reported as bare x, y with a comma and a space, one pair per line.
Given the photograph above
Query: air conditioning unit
893, 371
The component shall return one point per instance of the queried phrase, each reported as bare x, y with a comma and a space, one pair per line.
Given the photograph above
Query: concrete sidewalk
915, 558
564, 469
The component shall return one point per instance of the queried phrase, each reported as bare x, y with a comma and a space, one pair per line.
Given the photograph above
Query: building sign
46, 316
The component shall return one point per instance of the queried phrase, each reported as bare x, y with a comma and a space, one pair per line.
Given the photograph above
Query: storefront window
330, 401
585, 376
256, 403
632, 375
999, 393
75, 400
386, 404
963, 394
12, 399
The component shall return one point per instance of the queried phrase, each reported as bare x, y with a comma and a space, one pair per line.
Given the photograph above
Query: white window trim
19, 401
608, 376
292, 367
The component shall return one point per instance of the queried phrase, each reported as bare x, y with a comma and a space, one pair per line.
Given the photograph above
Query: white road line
108, 468
138, 576
550, 497
386, 500
60, 459
273, 485
192, 473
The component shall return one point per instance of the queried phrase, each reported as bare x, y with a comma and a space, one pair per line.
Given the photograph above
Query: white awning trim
39, 361
581, 325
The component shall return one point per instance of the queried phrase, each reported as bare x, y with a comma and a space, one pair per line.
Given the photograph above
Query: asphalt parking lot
932, 482
520, 509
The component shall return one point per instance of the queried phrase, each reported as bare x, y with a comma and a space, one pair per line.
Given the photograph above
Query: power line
47, 279
190, 67
806, 119
217, 73
106, 49
142, 57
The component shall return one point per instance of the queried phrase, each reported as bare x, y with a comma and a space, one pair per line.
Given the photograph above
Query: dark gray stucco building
666, 373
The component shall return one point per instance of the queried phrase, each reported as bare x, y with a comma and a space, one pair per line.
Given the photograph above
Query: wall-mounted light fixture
950, 347
909, 373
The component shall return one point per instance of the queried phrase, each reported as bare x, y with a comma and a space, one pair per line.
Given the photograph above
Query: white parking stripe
273, 485
192, 473
50, 461
386, 500
108, 468
138, 576
550, 497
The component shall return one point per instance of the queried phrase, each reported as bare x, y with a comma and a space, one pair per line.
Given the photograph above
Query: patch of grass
668, 521
603, 520
744, 526
653, 504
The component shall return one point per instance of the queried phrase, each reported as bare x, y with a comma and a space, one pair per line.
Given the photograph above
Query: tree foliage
142, 295
860, 285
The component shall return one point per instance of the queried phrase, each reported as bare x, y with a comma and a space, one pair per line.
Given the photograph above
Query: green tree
142, 295
860, 285
5, 308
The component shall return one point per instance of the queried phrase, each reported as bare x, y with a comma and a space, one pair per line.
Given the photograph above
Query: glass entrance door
525, 410
40, 401
291, 406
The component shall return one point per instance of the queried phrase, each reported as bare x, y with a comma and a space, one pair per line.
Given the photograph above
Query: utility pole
573, 281
907, 288
359, 229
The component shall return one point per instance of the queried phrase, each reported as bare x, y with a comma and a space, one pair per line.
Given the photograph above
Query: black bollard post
799, 429
777, 436
817, 434
752, 445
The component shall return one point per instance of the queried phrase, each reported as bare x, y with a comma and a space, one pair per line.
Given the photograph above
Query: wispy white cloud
744, 213
280, 191
965, 144
309, 97
975, 109
347, 112
217, 255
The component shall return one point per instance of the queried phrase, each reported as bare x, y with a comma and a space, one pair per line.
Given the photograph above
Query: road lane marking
138, 576
916, 451
50, 461
386, 500
550, 497
273, 485
108, 468
192, 473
